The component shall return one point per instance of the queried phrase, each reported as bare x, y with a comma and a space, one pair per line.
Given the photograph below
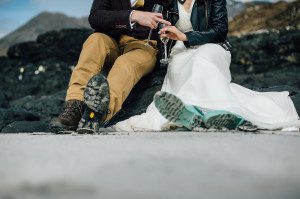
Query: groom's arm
103, 19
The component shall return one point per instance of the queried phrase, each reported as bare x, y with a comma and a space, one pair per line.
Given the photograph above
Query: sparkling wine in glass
164, 40
157, 8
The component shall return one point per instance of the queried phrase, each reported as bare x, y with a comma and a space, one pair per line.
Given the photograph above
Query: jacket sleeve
103, 19
217, 29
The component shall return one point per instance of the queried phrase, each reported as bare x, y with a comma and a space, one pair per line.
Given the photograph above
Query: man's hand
148, 19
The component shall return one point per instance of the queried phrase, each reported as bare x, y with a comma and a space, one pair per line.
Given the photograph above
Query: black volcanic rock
64, 46
26, 127
42, 67
44, 107
35, 77
8, 116
42, 78
259, 53
3, 100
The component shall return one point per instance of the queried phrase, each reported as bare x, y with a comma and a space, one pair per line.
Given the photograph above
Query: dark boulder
24, 50
64, 45
8, 116
42, 67
42, 78
26, 127
276, 77
43, 106
258, 53
31, 113
3, 100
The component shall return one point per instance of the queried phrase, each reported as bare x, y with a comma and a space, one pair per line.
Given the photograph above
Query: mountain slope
40, 24
234, 8
260, 16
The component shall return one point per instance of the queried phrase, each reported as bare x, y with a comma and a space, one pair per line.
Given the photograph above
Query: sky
14, 13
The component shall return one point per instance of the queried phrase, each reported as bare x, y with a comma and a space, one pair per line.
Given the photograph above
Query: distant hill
234, 8
42, 23
261, 16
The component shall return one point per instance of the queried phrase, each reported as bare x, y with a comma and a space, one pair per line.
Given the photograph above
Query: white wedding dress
200, 76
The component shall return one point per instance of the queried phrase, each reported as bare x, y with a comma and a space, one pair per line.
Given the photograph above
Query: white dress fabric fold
200, 76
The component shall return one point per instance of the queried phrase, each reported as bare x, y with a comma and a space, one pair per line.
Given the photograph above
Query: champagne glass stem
149, 37
166, 53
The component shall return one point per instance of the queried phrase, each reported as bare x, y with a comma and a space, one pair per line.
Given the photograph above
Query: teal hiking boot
173, 109
219, 119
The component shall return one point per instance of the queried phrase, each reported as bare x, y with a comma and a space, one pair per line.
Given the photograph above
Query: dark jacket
209, 21
111, 17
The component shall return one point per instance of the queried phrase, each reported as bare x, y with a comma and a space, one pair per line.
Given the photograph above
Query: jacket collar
174, 11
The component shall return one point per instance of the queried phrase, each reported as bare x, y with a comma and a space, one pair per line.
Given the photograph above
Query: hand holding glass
164, 40
156, 9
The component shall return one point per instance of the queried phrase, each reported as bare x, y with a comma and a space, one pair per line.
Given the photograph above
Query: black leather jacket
209, 21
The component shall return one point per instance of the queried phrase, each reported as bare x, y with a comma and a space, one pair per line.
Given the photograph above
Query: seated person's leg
137, 61
104, 98
98, 49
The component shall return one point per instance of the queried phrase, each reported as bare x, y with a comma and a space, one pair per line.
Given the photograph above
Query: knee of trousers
125, 76
136, 68
97, 37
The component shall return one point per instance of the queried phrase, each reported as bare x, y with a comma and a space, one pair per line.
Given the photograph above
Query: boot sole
86, 131
96, 93
56, 127
173, 109
248, 127
222, 119
96, 98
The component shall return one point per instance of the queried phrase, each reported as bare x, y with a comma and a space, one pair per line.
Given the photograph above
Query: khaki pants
128, 60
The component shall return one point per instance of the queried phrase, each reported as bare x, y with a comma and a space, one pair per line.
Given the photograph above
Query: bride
197, 89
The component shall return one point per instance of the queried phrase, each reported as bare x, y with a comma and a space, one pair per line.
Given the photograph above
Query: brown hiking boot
68, 120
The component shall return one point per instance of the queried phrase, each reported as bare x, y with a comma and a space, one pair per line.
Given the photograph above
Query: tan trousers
127, 60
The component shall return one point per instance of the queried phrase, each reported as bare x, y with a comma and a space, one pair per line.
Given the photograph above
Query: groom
121, 29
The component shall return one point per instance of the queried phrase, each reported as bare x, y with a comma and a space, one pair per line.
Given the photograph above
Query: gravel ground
151, 165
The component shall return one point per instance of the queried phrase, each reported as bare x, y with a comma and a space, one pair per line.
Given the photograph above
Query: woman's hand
173, 33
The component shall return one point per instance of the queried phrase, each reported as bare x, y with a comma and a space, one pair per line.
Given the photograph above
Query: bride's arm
217, 30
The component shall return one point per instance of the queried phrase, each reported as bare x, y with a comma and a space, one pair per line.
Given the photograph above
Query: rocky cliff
34, 77
262, 16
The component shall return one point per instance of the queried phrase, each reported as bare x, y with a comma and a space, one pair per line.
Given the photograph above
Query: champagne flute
164, 40
157, 8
